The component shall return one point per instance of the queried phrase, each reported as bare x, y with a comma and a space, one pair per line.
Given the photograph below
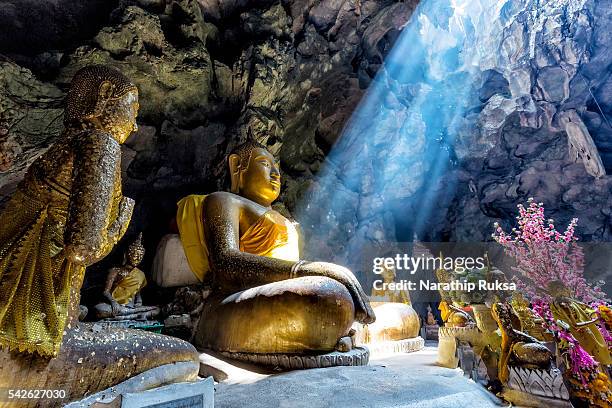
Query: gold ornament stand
536, 388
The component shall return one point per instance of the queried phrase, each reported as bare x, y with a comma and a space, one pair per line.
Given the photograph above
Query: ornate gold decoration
517, 348
581, 320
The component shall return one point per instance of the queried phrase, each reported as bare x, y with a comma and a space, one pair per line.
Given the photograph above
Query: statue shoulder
96, 140
225, 198
221, 196
222, 202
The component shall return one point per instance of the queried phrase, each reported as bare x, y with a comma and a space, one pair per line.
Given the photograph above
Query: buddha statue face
388, 275
135, 252
119, 116
102, 98
255, 173
135, 256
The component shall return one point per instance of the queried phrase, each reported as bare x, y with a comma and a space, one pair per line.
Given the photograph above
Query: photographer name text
445, 286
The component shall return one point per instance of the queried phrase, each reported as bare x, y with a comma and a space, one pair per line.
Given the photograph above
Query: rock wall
543, 129
478, 108
291, 73
210, 74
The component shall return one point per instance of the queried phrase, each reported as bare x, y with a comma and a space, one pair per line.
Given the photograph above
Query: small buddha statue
431, 320
68, 213
452, 315
396, 319
383, 294
264, 298
581, 321
123, 286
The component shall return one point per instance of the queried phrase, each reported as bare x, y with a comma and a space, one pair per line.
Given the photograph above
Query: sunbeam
424, 88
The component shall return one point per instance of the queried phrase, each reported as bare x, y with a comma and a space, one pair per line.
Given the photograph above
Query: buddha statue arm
121, 223
110, 280
363, 310
113, 274
236, 270
97, 157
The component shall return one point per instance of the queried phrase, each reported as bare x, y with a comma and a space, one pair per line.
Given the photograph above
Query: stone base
524, 399
155, 377
197, 394
148, 325
359, 356
397, 346
545, 383
447, 343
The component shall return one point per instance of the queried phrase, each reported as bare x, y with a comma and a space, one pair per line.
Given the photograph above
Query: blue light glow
398, 146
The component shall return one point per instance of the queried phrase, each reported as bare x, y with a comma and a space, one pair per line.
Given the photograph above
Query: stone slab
230, 371
523, 399
197, 394
155, 377
399, 380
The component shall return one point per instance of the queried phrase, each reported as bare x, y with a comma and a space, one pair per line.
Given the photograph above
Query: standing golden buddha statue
265, 300
68, 213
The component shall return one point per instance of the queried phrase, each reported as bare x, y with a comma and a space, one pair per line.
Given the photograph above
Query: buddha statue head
388, 275
101, 97
254, 173
135, 252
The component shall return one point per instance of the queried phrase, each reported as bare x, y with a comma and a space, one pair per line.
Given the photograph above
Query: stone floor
400, 380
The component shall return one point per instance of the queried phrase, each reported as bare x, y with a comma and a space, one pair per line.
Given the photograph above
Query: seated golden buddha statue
395, 318
68, 213
123, 286
264, 299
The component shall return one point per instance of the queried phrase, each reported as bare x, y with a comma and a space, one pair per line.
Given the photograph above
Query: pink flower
543, 254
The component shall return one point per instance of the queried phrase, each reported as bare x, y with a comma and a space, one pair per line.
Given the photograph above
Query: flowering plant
544, 258
604, 324
579, 358
543, 255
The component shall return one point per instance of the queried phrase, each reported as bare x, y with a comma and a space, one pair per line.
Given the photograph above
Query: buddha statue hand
119, 226
82, 254
117, 308
363, 311
87, 254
